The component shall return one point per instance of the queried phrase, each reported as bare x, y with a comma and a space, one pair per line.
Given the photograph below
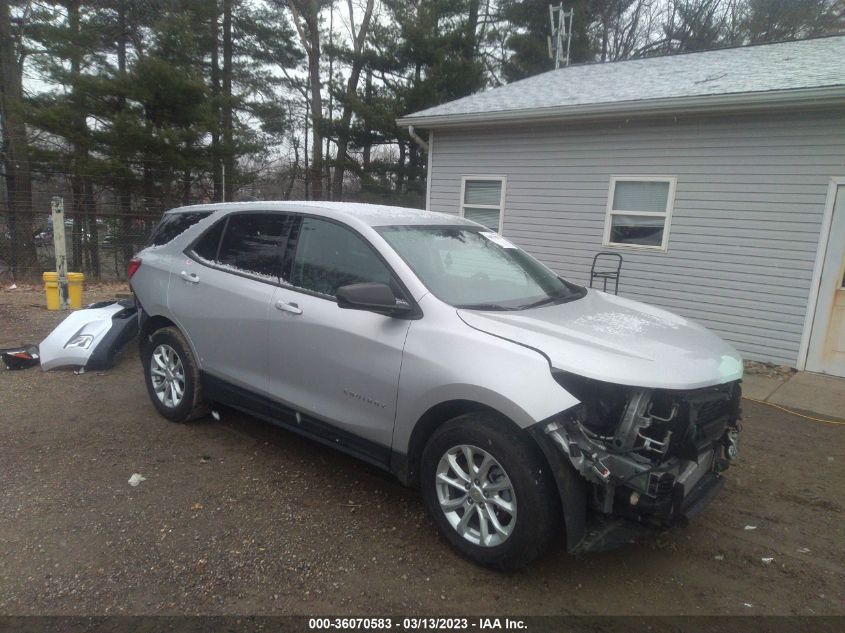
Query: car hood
617, 340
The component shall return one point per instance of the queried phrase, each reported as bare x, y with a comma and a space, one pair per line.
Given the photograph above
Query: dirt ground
240, 517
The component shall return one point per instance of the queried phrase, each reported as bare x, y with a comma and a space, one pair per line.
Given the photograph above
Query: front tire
172, 376
489, 491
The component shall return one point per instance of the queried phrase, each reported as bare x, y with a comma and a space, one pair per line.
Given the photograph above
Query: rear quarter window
207, 246
174, 224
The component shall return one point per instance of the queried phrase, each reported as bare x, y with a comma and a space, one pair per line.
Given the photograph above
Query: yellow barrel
74, 290
51, 290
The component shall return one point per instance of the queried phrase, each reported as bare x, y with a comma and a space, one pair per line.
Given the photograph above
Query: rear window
174, 224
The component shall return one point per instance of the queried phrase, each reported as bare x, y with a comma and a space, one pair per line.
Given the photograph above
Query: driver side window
329, 256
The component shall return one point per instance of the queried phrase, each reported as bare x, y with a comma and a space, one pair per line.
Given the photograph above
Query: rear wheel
487, 489
172, 376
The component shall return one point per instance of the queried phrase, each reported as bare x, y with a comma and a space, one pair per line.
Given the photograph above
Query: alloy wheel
476, 495
168, 376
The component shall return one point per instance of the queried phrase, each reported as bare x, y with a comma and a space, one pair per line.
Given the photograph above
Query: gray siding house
718, 176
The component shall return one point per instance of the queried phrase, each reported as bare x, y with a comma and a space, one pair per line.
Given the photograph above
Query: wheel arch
150, 324
571, 488
436, 416
406, 466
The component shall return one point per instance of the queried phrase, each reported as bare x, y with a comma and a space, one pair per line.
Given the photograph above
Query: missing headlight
604, 402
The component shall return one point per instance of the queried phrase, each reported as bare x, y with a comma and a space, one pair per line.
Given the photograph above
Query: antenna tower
561, 38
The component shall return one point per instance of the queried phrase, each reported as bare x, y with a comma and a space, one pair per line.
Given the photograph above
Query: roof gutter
814, 98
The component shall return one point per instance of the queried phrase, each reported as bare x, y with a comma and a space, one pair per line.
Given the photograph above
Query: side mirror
371, 297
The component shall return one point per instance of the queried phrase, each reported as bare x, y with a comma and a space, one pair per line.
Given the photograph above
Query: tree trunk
316, 120
413, 162
93, 233
15, 150
79, 177
344, 130
78, 219
471, 33
124, 184
400, 173
368, 143
306, 19
216, 164
147, 189
330, 118
186, 186
307, 171
294, 172
228, 147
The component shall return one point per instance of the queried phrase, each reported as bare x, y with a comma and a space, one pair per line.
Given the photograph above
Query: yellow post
51, 290
74, 290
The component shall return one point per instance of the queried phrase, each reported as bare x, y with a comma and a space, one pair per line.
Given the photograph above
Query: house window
483, 200
639, 209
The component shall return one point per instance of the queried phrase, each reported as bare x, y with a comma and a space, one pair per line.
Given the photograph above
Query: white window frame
500, 208
666, 215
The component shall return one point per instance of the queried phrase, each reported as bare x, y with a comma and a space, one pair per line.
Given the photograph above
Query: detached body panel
91, 337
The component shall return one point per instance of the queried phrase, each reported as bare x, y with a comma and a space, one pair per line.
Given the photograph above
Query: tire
169, 346
517, 476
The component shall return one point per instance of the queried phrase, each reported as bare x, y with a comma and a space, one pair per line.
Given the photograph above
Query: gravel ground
240, 517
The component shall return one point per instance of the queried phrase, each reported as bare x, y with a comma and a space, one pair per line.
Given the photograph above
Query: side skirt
269, 410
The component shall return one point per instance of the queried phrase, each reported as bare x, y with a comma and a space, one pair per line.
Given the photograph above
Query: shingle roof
706, 80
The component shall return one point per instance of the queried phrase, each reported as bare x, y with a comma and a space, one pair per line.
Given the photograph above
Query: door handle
288, 307
191, 278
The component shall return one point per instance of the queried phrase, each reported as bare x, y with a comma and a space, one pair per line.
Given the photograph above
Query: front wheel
172, 376
488, 490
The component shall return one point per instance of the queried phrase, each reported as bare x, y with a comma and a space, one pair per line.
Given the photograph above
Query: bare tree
306, 19
697, 25
625, 28
359, 38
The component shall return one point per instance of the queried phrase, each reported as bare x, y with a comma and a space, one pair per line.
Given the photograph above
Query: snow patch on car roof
371, 214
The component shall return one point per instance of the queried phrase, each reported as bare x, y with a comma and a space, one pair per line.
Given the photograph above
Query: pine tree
777, 20
424, 52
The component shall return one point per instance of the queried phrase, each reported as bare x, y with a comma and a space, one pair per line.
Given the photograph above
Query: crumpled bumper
605, 532
612, 496
90, 337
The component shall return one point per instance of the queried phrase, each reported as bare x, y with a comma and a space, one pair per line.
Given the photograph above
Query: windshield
472, 268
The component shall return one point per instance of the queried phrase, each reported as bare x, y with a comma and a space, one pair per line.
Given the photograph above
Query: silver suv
527, 409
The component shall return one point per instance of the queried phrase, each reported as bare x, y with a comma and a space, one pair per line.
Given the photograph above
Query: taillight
132, 268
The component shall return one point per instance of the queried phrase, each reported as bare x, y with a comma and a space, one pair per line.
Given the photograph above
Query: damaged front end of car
650, 457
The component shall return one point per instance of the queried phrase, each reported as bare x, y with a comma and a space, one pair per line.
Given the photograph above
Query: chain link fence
99, 241
100, 236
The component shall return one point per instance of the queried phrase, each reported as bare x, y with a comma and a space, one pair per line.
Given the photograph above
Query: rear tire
503, 511
172, 376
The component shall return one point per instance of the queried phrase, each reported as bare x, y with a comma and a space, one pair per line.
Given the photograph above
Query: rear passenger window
251, 243
173, 224
329, 256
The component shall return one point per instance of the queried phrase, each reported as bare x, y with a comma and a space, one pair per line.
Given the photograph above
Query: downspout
417, 138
